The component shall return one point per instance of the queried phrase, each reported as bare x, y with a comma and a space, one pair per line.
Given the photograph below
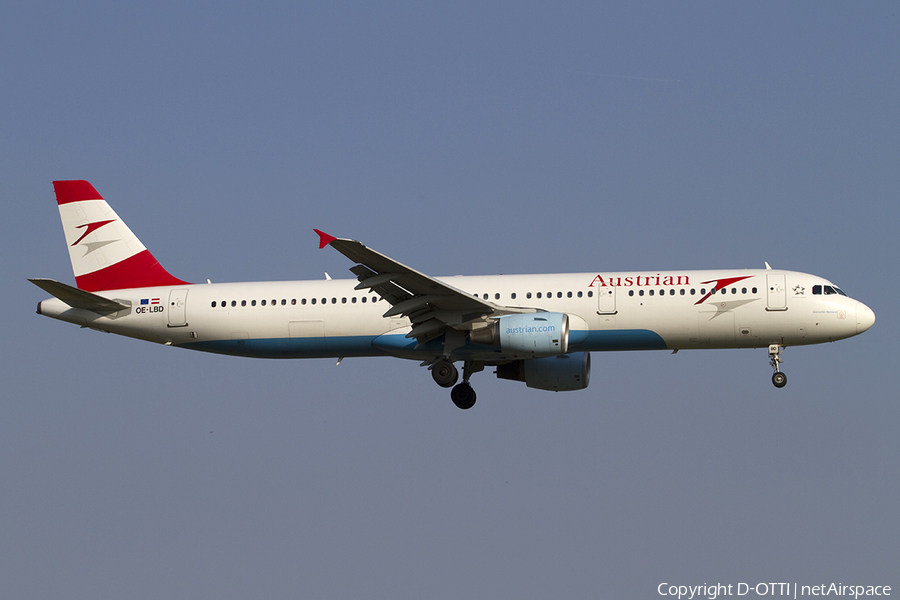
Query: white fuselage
615, 311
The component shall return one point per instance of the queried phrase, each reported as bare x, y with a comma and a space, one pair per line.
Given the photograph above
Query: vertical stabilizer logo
90, 228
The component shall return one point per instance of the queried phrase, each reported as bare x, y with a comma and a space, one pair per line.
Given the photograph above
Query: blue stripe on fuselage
329, 347
620, 339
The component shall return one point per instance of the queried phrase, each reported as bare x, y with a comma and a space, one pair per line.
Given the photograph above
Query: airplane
536, 329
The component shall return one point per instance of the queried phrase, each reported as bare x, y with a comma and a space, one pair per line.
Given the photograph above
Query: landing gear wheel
779, 379
463, 396
445, 373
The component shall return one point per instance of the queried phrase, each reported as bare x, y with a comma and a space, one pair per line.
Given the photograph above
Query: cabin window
693, 292
243, 303
313, 301
528, 295
496, 296
580, 294
214, 304
651, 292
364, 299
682, 291
641, 293
263, 302
631, 292
754, 290
513, 295
743, 290
538, 294
591, 294
234, 302
343, 301
253, 303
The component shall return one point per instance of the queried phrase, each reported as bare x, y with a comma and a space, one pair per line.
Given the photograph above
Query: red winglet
324, 238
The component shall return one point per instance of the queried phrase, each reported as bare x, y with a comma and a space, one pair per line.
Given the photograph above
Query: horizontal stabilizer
78, 298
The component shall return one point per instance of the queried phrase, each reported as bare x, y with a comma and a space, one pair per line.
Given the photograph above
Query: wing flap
431, 305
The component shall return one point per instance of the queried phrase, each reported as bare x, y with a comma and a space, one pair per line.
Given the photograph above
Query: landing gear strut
779, 379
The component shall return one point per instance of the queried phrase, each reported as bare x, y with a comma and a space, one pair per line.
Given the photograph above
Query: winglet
324, 238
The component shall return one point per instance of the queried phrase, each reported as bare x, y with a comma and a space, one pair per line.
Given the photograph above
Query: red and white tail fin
105, 254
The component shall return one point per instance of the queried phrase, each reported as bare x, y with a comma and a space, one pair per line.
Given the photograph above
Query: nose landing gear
779, 379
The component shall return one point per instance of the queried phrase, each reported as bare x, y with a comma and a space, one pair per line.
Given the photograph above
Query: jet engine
554, 373
532, 334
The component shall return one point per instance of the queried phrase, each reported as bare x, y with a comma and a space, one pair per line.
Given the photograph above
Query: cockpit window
828, 290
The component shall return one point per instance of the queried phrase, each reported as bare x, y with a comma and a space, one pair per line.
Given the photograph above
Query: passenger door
177, 308
776, 292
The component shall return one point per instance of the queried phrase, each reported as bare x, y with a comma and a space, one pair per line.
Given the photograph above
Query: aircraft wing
431, 305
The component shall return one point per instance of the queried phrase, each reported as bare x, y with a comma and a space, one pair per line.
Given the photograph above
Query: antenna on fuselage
768, 268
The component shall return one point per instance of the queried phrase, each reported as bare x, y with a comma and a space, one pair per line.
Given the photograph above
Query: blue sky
457, 138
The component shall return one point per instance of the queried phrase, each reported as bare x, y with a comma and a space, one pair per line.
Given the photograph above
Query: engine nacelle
564, 373
532, 334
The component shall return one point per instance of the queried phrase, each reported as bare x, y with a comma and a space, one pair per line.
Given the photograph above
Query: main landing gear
779, 379
463, 395
445, 374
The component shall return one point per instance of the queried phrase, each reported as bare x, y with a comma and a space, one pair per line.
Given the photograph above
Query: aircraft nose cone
865, 318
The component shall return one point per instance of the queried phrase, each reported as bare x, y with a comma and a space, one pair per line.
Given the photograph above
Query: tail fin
105, 254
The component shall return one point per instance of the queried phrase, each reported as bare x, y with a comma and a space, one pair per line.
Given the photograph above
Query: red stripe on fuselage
74, 191
138, 271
